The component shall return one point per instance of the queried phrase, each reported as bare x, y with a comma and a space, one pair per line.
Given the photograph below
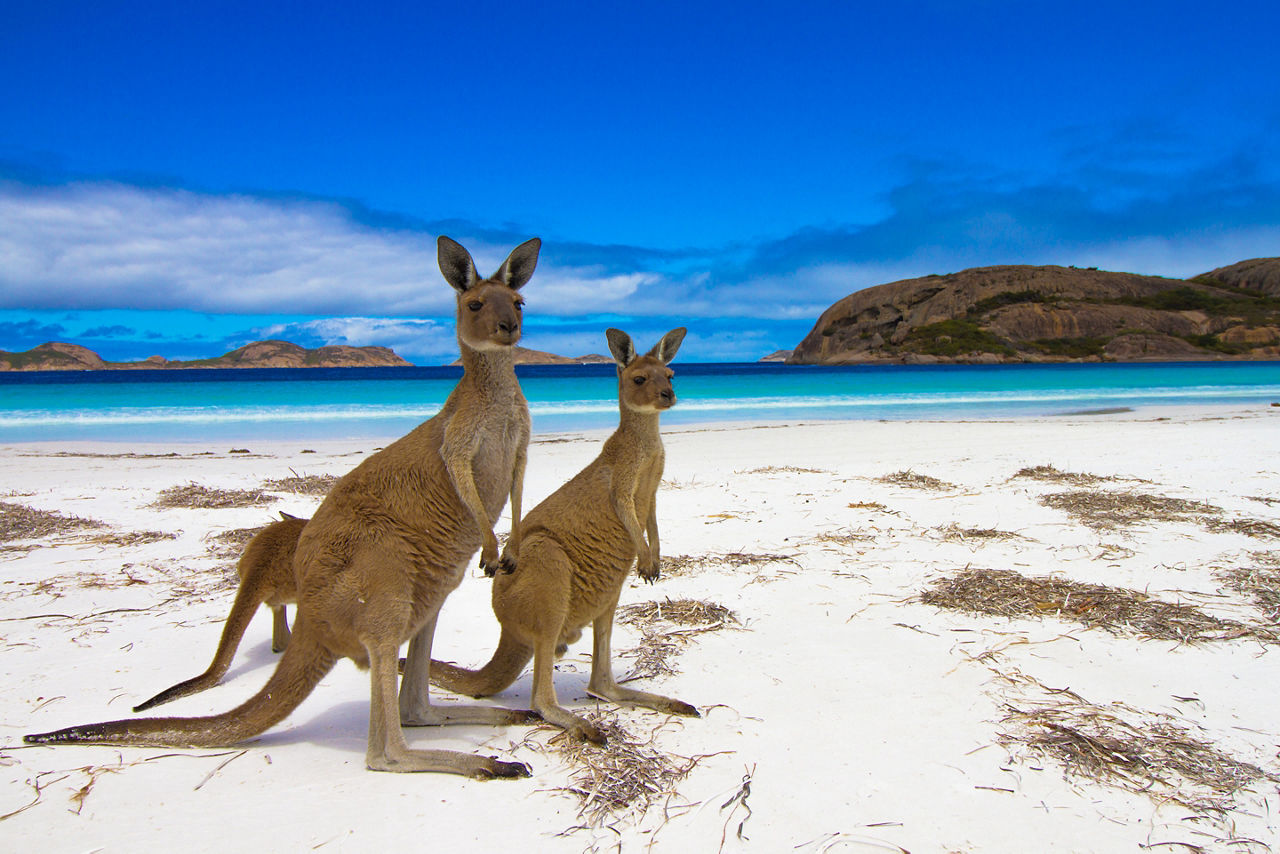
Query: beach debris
665, 627
954, 532
20, 522
1050, 474
616, 782
868, 505
194, 496
299, 484
1261, 583
914, 480
687, 564
784, 470
845, 537
739, 799
1104, 511
130, 538
1118, 610
1256, 528
1141, 752
708, 616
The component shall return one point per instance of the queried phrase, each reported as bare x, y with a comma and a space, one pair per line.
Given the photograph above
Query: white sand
863, 719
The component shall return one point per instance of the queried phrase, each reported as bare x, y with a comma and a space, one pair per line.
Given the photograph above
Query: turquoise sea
245, 404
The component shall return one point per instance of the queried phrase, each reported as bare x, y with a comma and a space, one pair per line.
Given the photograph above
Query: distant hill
525, 356
56, 356
1051, 314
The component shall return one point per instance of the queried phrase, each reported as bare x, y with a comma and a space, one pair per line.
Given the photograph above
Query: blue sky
180, 179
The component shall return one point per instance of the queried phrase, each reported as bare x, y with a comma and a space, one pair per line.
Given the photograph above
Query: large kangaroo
266, 578
390, 542
576, 550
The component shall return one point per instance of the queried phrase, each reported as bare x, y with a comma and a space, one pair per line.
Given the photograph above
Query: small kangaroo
266, 578
389, 543
575, 552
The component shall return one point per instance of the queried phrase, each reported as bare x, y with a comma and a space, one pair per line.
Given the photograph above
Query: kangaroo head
489, 310
644, 382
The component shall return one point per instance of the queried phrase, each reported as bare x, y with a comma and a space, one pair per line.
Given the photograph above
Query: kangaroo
576, 550
391, 540
266, 578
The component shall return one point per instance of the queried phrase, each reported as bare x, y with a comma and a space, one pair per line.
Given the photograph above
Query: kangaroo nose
668, 394
506, 326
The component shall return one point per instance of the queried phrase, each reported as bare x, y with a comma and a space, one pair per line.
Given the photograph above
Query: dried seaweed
1152, 755
619, 780
783, 470
665, 627
913, 480
1049, 474
687, 564
954, 532
196, 496
1257, 528
298, 484
682, 612
131, 538
19, 522
1120, 611
1109, 510
1259, 583
868, 505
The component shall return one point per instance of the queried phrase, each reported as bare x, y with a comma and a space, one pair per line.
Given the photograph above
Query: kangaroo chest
498, 441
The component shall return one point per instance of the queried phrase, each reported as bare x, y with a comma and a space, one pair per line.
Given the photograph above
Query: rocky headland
1051, 314
57, 356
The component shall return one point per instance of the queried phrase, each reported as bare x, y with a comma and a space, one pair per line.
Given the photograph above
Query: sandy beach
1053, 634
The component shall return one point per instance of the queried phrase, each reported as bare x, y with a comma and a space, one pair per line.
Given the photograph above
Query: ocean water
246, 404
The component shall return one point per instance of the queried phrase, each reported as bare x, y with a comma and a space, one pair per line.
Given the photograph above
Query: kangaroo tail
301, 668
508, 660
248, 597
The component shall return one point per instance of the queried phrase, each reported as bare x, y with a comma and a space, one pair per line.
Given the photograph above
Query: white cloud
106, 245
109, 246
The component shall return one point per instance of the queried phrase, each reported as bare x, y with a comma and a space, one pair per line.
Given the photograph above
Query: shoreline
841, 711
213, 445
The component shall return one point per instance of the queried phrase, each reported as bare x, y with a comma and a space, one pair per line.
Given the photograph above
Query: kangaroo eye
475, 305
520, 306
639, 380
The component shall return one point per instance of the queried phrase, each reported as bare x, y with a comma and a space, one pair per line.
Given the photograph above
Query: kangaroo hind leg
416, 708
388, 750
604, 686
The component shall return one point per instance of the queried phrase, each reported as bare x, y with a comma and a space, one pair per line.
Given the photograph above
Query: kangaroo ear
620, 346
456, 264
670, 343
516, 271
287, 516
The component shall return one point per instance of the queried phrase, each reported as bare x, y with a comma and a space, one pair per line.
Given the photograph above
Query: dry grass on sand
665, 627
1143, 753
193, 496
19, 522
914, 480
619, 781
1004, 593
302, 484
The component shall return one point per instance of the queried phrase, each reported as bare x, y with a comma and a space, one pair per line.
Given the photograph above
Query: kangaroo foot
450, 762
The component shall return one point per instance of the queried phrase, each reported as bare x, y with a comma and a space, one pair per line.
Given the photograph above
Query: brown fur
389, 543
577, 549
266, 578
